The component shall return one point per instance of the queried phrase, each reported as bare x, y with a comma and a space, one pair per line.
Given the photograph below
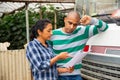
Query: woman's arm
62, 55
36, 58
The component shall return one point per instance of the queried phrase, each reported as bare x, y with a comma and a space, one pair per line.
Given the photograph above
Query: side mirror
118, 23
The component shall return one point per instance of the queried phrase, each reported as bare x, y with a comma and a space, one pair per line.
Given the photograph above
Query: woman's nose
51, 33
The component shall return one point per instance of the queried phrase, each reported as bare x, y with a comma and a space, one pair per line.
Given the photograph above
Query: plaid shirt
39, 58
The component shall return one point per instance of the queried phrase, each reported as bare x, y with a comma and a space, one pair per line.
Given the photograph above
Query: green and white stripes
75, 41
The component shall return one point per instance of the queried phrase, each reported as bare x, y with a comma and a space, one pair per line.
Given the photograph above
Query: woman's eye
49, 30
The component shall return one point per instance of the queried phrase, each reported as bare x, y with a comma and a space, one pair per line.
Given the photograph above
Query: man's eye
70, 22
75, 24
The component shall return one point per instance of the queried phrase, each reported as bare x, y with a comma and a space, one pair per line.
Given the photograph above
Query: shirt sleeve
36, 60
96, 26
101, 25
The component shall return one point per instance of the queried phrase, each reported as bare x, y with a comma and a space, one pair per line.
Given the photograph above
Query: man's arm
93, 25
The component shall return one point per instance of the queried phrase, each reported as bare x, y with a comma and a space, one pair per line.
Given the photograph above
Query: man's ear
65, 19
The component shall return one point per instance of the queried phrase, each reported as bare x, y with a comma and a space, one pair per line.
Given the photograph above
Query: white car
103, 59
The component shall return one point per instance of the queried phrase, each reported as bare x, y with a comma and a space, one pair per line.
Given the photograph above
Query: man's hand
85, 20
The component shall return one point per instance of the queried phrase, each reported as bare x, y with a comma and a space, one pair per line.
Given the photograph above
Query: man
73, 37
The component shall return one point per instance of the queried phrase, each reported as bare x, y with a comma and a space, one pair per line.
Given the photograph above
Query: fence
14, 65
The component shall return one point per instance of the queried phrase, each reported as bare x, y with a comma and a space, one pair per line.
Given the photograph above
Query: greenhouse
17, 17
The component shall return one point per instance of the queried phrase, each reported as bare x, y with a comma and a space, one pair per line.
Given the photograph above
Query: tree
13, 26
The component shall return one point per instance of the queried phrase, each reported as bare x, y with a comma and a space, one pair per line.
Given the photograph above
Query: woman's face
47, 32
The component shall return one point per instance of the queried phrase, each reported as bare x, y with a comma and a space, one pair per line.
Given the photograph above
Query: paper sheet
77, 58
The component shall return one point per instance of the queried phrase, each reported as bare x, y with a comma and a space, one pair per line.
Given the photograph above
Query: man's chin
69, 31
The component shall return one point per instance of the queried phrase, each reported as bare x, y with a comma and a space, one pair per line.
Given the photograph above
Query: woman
40, 54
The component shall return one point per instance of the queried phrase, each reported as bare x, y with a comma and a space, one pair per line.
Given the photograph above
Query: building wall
14, 65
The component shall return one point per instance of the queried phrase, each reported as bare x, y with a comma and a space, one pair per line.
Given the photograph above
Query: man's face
70, 24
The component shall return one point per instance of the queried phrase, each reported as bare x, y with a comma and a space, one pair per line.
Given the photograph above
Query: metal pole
55, 20
75, 6
27, 22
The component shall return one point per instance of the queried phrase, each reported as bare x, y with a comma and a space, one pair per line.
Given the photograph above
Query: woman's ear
39, 32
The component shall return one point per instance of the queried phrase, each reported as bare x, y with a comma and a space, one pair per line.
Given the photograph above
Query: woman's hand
64, 70
63, 55
70, 69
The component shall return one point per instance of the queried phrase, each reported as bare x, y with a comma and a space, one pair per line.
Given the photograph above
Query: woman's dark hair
40, 25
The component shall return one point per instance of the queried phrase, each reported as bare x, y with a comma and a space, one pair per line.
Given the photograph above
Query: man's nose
71, 26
